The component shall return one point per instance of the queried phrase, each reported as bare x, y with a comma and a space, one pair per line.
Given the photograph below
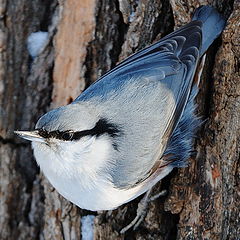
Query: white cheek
88, 155
74, 150
99, 155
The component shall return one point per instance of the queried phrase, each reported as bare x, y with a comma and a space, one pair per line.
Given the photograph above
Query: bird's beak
30, 135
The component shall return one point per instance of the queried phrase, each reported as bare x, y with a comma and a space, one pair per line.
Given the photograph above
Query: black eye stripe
43, 133
66, 135
101, 127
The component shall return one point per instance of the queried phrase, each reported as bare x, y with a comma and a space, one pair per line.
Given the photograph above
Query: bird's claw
142, 210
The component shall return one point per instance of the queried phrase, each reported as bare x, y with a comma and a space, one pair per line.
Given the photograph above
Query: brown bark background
87, 38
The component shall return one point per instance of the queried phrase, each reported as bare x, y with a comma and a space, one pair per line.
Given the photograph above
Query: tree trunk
85, 39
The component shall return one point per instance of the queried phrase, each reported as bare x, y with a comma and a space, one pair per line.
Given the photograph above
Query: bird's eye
67, 136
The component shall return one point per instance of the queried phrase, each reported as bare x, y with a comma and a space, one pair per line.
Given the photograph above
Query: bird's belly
100, 194
97, 197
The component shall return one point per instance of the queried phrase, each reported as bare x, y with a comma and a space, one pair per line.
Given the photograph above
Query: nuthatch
130, 128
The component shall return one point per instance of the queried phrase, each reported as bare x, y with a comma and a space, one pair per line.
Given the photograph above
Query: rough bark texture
87, 38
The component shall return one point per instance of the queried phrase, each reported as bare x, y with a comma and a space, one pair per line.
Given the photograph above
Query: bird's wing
164, 58
172, 62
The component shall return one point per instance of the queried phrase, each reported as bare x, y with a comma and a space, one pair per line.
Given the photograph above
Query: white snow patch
35, 43
131, 17
87, 227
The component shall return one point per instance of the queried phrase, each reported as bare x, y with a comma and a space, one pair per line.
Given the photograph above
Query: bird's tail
213, 24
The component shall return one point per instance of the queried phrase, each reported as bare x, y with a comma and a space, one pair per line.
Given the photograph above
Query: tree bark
85, 39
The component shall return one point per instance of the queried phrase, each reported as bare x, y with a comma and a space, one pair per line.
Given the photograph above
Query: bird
130, 128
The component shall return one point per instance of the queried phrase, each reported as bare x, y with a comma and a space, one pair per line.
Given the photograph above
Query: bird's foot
142, 210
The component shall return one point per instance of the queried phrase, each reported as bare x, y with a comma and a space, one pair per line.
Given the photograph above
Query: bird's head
71, 135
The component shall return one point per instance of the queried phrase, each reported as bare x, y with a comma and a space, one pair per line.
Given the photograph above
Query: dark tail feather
213, 24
